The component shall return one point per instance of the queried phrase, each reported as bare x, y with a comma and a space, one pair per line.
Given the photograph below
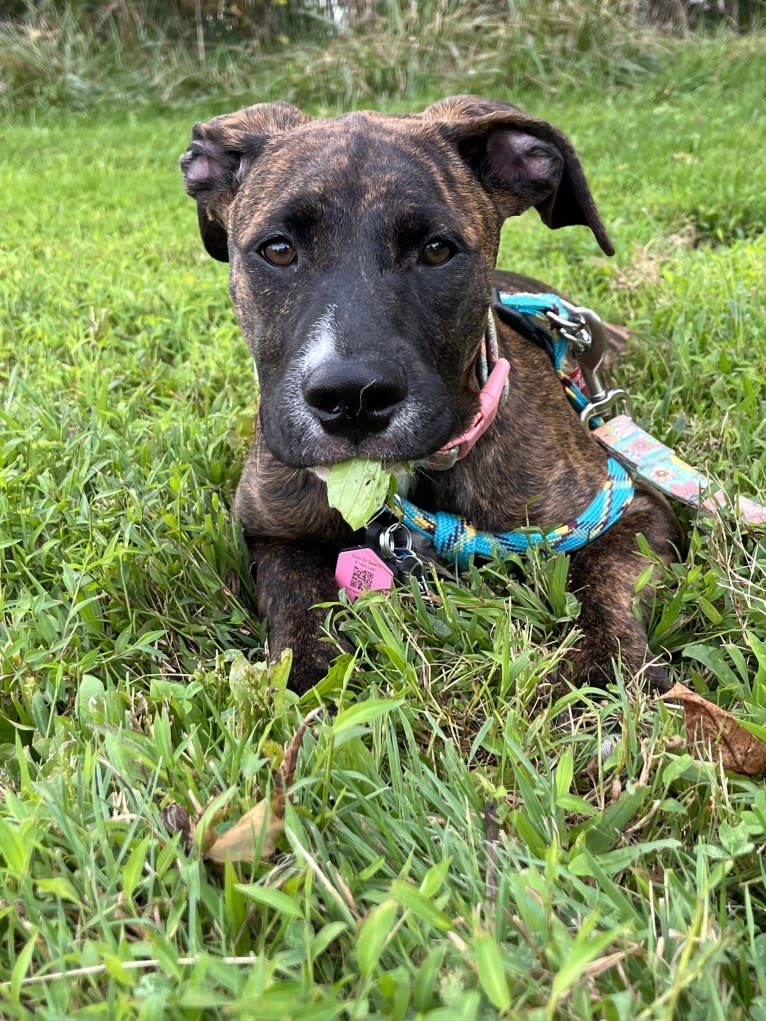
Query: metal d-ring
396, 537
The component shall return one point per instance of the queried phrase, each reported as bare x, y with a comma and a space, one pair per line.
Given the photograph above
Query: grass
462, 842
103, 54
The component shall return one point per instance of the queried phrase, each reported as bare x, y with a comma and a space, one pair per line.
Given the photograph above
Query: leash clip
584, 331
393, 543
605, 405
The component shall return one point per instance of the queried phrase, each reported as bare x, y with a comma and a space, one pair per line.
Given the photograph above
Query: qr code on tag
361, 579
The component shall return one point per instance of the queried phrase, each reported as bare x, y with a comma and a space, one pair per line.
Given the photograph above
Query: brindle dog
362, 252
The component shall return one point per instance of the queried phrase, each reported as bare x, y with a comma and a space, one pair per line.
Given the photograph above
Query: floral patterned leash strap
662, 468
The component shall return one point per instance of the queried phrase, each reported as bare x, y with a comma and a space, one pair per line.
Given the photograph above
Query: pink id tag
361, 570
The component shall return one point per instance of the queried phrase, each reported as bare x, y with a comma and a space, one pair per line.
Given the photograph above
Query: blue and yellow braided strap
457, 540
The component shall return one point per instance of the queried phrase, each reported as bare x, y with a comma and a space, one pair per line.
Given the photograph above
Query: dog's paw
584, 669
311, 661
657, 677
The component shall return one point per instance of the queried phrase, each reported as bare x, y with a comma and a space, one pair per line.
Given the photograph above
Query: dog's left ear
521, 161
220, 153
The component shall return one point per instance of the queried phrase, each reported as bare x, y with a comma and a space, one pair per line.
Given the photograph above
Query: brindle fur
360, 196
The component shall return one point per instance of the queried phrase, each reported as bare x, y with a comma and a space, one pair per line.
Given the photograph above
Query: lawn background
625, 879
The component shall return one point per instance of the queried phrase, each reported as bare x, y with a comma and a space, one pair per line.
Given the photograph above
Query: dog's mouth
398, 468
402, 470
300, 438
318, 456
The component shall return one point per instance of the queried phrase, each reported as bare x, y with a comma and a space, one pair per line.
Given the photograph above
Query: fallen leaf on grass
260, 828
263, 825
713, 727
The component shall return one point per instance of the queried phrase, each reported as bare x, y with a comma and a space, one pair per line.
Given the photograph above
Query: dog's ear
521, 161
218, 158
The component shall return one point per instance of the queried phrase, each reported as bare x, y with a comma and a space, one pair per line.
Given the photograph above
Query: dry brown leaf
266, 820
263, 822
709, 725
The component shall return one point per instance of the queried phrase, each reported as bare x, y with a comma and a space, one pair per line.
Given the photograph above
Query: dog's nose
354, 399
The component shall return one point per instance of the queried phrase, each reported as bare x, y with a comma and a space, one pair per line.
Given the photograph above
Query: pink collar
489, 401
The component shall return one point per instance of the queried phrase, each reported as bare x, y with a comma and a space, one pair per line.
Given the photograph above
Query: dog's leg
603, 576
293, 537
291, 578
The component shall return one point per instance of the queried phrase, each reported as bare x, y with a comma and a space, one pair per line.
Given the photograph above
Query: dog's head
362, 249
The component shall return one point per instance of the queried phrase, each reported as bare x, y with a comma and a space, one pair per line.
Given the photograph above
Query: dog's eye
278, 251
438, 251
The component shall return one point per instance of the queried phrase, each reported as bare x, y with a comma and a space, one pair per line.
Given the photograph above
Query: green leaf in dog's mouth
357, 489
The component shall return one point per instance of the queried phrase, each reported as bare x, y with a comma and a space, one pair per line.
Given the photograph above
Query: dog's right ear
221, 152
